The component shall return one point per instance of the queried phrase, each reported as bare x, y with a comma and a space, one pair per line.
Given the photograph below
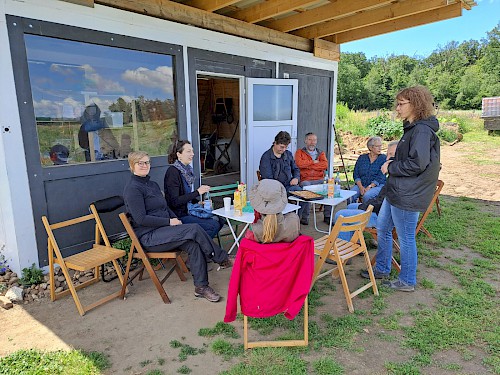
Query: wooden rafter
210, 5
324, 13
371, 17
172, 11
450, 11
268, 9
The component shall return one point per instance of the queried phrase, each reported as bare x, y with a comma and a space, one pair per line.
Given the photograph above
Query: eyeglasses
402, 104
377, 146
143, 163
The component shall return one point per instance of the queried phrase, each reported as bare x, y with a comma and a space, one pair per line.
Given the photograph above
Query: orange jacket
309, 170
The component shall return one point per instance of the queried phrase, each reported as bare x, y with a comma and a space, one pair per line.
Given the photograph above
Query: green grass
226, 349
221, 328
36, 362
327, 366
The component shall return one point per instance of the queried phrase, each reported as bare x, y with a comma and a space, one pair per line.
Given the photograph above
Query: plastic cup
227, 203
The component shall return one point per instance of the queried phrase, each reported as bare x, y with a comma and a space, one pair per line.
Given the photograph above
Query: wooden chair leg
156, 281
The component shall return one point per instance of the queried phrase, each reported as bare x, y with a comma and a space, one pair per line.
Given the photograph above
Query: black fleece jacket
415, 169
145, 202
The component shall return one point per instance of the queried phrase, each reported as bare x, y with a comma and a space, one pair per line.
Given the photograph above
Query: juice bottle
238, 207
331, 188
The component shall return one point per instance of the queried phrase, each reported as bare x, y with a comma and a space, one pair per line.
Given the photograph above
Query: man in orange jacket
312, 163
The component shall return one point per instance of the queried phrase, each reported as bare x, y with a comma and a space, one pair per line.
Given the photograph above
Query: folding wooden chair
83, 261
259, 176
340, 251
147, 253
420, 225
103, 207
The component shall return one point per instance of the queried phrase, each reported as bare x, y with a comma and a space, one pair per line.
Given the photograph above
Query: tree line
459, 75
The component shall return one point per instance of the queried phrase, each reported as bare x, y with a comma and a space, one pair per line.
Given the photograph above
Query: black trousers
192, 239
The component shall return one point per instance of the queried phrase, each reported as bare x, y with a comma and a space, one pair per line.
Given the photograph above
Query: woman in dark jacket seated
178, 187
155, 224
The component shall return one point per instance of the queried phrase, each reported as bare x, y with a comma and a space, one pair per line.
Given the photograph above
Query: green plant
220, 328
447, 135
184, 370
327, 366
226, 349
384, 127
75, 362
342, 111
32, 275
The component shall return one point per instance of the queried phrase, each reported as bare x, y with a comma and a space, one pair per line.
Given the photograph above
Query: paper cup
227, 203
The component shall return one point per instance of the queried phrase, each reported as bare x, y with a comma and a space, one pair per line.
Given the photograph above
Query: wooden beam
323, 13
210, 5
372, 17
86, 3
326, 50
177, 12
269, 9
450, 11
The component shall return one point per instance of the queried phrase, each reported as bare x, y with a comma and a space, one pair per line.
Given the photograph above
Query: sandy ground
141, 327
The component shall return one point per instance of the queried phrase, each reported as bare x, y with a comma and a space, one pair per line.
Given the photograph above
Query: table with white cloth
344, 195
246, 218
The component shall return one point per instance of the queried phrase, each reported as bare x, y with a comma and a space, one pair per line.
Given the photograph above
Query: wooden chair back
340, 251
89, 259
137, 251
259, 176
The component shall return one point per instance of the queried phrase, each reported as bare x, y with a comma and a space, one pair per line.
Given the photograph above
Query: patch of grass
145, 362
451, 366
427, 284
186, 350
160, 361
221, 328
404, 368
184, 370
392, 321
276, 361
327, 366
73, 362
226, 349
155, 372
339, 332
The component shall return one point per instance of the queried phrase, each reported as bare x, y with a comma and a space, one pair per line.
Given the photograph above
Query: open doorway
219, 129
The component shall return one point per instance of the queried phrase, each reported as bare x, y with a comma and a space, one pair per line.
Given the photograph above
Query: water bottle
337, 186
207, 203
325, 184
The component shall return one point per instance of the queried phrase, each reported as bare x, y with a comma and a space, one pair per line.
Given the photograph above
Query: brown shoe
207, 292
228, 263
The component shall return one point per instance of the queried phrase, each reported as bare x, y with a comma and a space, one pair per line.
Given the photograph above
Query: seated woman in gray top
156, 224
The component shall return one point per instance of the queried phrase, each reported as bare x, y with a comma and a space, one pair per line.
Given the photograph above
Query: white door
271, 107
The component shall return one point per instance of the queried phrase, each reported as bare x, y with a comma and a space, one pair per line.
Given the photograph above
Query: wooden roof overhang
316, 26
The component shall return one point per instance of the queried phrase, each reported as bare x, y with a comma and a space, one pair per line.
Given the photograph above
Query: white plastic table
247, 218
344, 195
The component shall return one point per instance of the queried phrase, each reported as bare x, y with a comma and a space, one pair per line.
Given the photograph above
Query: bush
32, 275
447, 135
384, 127
342, 111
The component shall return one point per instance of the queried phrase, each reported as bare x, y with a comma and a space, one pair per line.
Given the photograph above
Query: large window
95, 102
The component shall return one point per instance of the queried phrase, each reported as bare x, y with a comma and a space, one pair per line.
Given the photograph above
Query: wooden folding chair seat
333, 248
92, 258
147, 253
420, 225
259, 176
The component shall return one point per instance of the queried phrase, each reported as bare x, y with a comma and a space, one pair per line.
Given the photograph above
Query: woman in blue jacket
413, 177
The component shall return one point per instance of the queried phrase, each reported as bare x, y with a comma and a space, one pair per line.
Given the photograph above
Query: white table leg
236, 238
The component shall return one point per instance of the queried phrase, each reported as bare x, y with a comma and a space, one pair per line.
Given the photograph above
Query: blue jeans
406, 225
371, 193
211, 226
307, 205
352, 210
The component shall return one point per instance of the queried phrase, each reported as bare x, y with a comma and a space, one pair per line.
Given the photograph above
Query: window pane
95, 103
272, 102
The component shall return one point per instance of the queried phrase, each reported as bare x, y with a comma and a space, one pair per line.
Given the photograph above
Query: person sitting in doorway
179, 191
59, 154
368, 178
269, 199
156, 224
357, 208
312, 164
277, 164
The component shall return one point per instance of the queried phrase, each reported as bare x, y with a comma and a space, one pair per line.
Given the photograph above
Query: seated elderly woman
368, 178
179, 192
156, 224
269, 198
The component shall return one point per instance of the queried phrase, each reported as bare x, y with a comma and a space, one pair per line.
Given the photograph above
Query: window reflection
95, 102
272, 102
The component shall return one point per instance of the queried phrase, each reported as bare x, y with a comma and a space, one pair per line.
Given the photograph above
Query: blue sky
421, 41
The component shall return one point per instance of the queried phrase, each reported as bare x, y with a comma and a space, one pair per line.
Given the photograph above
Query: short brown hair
134, 157
421, 100
282, 138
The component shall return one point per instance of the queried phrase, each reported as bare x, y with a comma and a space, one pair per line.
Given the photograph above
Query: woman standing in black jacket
179, 192
413, 176
155, 224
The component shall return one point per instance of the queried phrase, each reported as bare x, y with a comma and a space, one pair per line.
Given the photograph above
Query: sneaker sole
208, 299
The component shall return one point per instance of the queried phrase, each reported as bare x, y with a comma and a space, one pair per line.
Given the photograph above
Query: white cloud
96, 81
161, 78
